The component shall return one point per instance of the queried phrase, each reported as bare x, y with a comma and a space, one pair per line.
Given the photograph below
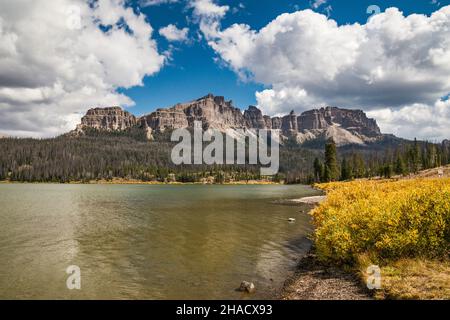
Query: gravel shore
316, 281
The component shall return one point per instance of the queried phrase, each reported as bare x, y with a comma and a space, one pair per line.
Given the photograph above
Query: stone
248, 287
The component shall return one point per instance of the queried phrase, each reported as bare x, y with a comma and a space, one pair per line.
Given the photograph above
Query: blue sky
193, 71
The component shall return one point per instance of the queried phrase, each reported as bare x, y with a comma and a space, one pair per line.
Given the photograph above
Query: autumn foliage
386, 219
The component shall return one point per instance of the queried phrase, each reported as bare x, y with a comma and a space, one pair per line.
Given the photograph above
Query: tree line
404, 159
128, 155
107, 156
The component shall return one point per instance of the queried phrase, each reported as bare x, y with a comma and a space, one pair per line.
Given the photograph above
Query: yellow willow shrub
387, 219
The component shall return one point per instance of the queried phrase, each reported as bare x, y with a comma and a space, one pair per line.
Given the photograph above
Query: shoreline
315, 280
343, 268
137, 182
313, 200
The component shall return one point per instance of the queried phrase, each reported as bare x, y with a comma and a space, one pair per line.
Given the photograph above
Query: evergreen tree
345, 170
415, 157
318, 170
387, 171
358, 167
331, 171
400, 167
432, 156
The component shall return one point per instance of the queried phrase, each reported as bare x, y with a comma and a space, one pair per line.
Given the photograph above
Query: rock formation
111, 118
255, 119
343, 125
289, 123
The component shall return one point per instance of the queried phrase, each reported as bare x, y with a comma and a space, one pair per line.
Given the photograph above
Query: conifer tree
415, 157
345, 170
318, 170
400, 167
331, 172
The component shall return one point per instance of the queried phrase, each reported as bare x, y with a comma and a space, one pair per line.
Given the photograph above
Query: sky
389, 58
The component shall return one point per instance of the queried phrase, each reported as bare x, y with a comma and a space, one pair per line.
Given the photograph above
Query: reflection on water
147, 242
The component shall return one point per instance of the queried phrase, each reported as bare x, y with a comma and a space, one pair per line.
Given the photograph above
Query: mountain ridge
345, 126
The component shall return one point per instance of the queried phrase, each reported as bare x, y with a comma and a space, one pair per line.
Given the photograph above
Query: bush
385, 219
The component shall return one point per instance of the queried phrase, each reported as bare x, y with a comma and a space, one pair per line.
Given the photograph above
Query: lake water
149, 241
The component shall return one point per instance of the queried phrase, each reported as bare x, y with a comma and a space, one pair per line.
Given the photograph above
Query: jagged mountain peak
346, 126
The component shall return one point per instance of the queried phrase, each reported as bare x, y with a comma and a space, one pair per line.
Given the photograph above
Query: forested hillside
102, 155
403, 159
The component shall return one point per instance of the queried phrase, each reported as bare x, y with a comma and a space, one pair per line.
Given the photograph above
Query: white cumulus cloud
58, 58
208, 8
417, 120
172, 33
393, 61
208, 14
148, 3
317, 3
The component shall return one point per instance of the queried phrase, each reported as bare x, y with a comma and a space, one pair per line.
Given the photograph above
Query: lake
149, 241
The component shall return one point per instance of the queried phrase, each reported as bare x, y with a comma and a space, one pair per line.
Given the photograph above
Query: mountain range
111, 143
346, 127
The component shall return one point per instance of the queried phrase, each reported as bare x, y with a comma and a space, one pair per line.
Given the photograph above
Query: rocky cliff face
289, 123
345, 126
111, 118
255, 119
312, 120
352, 120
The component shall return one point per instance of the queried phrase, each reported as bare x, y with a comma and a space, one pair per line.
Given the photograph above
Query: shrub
385, 219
